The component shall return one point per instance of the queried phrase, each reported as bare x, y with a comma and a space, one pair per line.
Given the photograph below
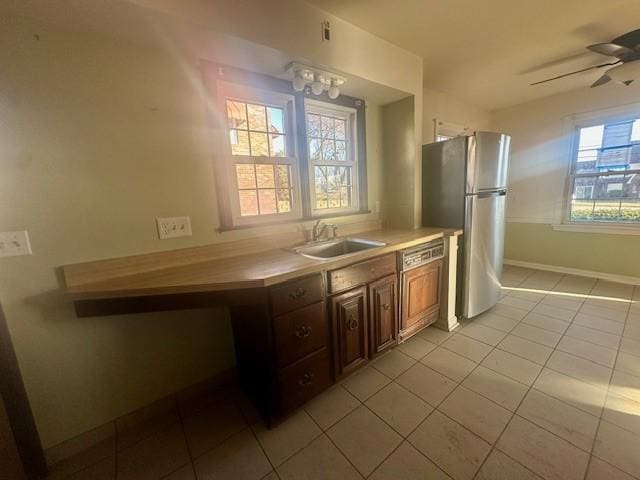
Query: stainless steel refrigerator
464, 185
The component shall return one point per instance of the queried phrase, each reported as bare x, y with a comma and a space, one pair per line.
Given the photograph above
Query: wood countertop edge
105, 290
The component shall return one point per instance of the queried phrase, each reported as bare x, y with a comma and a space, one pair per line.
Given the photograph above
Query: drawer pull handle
306, 380
303, 332
352, 323
298, 294
386, 306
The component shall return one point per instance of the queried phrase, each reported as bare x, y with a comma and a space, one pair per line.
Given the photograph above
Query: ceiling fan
626, 69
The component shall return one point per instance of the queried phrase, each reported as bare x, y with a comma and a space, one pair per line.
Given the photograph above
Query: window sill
294, 220
613, 228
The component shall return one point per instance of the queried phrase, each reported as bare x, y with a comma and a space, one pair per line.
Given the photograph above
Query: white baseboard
612, 277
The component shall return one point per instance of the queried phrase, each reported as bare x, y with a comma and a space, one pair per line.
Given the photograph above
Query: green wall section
540, 243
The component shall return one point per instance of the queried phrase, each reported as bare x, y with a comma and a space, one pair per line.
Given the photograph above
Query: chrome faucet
320, 228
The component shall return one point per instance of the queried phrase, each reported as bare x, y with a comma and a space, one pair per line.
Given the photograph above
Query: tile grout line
493, 445
606, 398
513, 414
186, 441
362, 404
115, 461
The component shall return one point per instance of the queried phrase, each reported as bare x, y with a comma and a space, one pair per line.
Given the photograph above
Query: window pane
591, 137
275, 116
630, 210
284, 201
277, 145
257, 117
587, 161
313, 125
236, 114
246, 176
259, 144
328, 127
321, 187
315, 153
613, 158
341, 129
334, 199
635, 132
345, 176
333, 178
345, 197
267, 201
239, 142
265, 176
248, 202
282, 176
581, 209
328, 150
341, 151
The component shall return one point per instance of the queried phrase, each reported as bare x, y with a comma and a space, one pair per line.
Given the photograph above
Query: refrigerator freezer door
483, 250
488, 159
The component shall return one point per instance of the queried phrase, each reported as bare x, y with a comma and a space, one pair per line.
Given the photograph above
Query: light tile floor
545, 385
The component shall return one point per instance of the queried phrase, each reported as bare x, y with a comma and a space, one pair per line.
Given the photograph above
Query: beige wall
541, 132
97, 138
400, 164
445, 107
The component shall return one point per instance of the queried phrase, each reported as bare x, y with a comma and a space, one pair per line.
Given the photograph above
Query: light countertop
220, 267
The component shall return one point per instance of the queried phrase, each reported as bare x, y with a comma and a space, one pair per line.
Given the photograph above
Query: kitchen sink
337, 248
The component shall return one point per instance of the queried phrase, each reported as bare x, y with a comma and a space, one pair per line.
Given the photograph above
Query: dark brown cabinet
351, 330
298, 337
383, 316
420, 298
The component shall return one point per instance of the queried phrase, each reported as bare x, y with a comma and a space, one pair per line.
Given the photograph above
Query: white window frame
586, 120
245, 94
350, 115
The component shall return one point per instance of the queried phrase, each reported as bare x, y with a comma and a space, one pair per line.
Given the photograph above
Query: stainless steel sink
337, 248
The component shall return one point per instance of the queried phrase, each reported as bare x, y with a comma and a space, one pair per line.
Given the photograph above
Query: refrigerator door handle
493, 193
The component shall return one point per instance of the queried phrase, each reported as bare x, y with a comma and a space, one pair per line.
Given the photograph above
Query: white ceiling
487, 52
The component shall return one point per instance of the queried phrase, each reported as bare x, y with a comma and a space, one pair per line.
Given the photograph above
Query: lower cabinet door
383, 322
350, 327
420, 297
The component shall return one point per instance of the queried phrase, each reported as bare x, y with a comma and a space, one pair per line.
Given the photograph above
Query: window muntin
260, 161
332, 158
606, 174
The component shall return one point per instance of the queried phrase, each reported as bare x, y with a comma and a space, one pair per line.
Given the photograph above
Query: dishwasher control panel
421, 254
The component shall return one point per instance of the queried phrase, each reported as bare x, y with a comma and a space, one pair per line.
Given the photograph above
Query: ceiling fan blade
610, 49
577, 71
601, 81
629, 39
628, 82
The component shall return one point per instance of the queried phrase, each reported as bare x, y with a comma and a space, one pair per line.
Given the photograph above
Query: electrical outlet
171, 227
13, 244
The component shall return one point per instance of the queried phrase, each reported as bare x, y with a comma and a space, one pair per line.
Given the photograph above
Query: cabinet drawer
296, 294
304, 380
300, 333
362, 272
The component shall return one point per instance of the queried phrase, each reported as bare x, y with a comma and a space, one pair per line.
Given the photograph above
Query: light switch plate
171, 227
13, 244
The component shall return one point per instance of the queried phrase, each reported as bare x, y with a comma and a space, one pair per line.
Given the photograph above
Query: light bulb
298, 83
334, 91
316, 86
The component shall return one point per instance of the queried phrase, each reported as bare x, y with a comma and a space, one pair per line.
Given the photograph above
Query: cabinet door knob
298, 293
386, 306
352, 323
303, 332
306, 380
